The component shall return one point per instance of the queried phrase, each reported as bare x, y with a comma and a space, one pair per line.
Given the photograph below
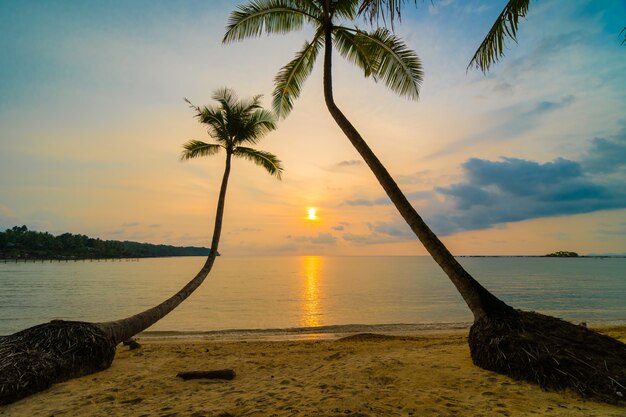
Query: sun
312, 213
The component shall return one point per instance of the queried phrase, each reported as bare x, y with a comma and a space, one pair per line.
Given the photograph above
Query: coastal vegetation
562, 254
524, 345
20, 243
35, 358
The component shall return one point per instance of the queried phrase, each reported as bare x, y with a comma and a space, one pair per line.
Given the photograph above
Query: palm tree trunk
480, 301
124, 329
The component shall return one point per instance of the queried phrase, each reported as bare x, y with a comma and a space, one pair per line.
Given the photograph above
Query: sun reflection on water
311, 310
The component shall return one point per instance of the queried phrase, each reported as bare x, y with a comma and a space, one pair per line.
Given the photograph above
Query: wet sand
428, 373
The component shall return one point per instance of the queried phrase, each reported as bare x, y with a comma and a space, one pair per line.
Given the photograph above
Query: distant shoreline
108, 258
21, 243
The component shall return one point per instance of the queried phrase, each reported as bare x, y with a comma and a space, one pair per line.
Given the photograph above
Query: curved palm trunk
35, 358
545, 350
124, 329
480, 301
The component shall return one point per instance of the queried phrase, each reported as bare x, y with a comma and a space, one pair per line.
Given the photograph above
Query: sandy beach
429, 373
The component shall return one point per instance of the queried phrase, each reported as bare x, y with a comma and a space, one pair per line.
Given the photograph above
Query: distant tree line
19, 242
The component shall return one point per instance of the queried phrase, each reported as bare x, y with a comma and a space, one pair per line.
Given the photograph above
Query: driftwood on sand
227, 374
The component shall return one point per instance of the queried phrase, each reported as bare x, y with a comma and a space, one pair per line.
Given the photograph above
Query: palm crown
379, 53
233, 123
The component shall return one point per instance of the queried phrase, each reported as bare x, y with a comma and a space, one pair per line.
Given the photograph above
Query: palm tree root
35, 358
552, 353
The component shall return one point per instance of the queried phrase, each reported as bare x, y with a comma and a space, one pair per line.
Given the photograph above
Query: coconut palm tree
33, 359
497, 339
232, 124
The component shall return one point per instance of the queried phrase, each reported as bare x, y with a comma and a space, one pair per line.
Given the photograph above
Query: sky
527, 159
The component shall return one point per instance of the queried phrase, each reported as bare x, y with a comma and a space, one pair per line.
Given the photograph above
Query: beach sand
424, 374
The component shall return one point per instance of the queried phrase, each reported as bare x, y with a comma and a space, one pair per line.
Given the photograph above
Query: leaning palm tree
527, 346
33, 359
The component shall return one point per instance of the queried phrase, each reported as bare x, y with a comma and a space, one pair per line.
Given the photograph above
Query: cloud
433, 7
367, 239
415, 178
394, 229
349, 163
606, 155
245, 230
550, 106
130, 224
477, 8
547, 49
382, 201
381, 232
154, 226
338, 228
512, 190
320, 239
509, 123
385, 201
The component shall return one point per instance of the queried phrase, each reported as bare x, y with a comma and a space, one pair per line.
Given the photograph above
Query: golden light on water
311, 310
312, 213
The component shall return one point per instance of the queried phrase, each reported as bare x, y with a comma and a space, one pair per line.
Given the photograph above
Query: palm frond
345, 9
352, 48
290, 79
267, 160
197, 148
624, 32
213, 118
492, 47
191, 105
382, 9
255, 126
393, 61
249, 106
269, 16
226, 97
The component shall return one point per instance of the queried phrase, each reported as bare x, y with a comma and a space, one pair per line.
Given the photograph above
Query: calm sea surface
308, 291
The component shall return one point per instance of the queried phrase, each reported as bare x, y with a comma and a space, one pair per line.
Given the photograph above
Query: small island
562, 254
21, 243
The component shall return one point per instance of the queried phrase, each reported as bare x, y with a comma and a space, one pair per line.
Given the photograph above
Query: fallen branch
228, 374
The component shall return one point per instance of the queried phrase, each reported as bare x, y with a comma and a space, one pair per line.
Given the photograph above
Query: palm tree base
35, 358
552, 353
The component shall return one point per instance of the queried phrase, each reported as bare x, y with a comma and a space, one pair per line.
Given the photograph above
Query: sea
306, 295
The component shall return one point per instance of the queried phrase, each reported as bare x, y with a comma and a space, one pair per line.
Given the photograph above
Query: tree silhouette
33, 359
530, 346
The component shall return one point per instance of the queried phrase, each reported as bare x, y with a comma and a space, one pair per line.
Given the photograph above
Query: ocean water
306, 293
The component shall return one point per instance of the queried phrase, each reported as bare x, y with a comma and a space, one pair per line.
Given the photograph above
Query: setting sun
312, 213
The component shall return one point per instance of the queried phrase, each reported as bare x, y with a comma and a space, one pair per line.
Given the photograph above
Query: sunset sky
528, 159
